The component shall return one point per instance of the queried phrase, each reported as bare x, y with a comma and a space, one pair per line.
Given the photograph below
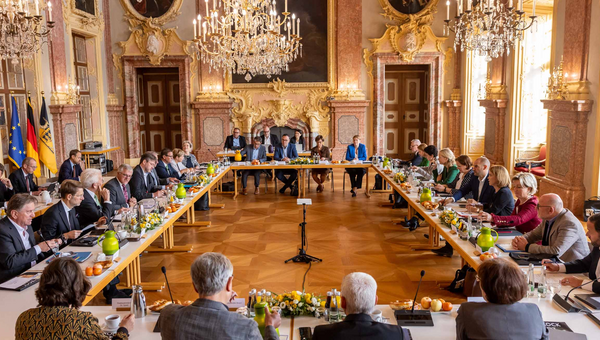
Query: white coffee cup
377, 315
122, 234
113, 321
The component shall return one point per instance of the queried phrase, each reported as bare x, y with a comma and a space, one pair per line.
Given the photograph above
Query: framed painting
402, 10
161, 11
86, 6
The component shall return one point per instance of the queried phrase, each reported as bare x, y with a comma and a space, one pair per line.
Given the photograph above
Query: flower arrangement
297, 303
301, 160
149, 222
450, 218
400, 177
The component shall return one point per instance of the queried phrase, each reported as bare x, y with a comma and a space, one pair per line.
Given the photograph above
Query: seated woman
62, 289
421, 151
177, 162
320, 175
6, 188
502, 317
503, 202
189, 160
446, 158
358, 152
524, 216
431, 154
298, 138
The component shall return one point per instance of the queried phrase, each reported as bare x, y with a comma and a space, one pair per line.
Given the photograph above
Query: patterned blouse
61, 323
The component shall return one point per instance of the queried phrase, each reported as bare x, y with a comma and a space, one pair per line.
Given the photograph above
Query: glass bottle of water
327, 306
251, 303
333, 308
542, 286
470, 226
530, 281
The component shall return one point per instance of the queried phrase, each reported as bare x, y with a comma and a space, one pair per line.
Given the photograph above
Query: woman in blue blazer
356, 151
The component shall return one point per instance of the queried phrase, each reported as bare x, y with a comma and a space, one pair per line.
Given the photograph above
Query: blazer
524, 216
157, 178
17, 178
89, 212
424, 162
588, 264
518, 321
417, 159
362, 152
358, 327
324, 153
464, 184
66, 171
430, 172
567, 238
166, 170
55, 222
249, 150
291, 152
207, 319
229, 143
502, 203
61, 323
5, 193
487, 192
299, 141
116, 193
14, 259
139, 188
448, 174
274, 139
190, 161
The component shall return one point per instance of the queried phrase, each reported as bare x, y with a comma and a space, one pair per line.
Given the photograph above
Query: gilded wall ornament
136, 11
402, 11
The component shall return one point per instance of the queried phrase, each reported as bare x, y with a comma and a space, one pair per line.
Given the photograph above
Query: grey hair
360, 292
210, 272
89, 177
527, 180
124, 167
416, 141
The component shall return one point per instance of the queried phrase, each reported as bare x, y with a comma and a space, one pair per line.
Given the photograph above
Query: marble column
348, 120
115, 122
576, 46
57, 48
495, 114
454, 118
212, 127
108, 48
565, 160
64, 120
349, 43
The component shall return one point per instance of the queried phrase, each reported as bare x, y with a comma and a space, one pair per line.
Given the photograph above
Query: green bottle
259, 317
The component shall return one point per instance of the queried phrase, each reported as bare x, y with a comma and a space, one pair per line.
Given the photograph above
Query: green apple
436, 305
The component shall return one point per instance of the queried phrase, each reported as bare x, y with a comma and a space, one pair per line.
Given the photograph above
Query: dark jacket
14, 259
139, 188
464, 184
274, 140
249, 149
502, 203
229, 143
291, 152
166, 171
116, 193
299, 141
5, 193
358, 327
588, 264
55, 222
66, 172
89, 212
17, 178
487, 192
417, 159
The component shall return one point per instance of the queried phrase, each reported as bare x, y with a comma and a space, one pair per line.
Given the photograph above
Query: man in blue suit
255, 151
71, 168
286, 152
163, 168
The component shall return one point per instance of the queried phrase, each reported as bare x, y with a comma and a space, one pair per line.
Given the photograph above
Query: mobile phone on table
305, 333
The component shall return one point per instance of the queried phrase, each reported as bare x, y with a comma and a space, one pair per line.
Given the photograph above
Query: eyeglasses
124, 175
542, 206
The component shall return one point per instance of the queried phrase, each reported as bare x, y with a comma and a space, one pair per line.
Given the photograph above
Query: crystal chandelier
22, 32
247, 37
487, 27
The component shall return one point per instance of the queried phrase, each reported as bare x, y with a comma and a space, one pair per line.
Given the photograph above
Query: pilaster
495, 112
348, 120
454, 124
64, 119
212, 127
115, 123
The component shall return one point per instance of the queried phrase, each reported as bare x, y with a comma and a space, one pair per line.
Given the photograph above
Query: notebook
507, 248
590, 299
22, 281
80, 257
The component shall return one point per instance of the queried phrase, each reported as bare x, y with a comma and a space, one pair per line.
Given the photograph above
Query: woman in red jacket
524, 217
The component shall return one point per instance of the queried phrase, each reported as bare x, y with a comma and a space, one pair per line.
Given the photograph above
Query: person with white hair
96, 200
208, 317
120, 191
359, 297
560, 232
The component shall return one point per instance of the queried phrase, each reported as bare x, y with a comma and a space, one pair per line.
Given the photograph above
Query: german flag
32, 146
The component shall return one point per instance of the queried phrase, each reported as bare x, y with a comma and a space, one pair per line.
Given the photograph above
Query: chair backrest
542, 155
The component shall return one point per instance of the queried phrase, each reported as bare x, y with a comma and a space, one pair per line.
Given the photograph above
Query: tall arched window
474, 122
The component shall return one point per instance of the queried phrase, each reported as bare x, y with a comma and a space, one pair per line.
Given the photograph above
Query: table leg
367, 184
434, 241
214, 205
135, 269
169, 244
235, 185
191, 220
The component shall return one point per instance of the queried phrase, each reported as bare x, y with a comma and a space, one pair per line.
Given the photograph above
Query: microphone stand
302, 255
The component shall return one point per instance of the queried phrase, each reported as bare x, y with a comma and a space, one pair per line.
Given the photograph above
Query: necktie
27, 183
96, 200
168, 170
24, 233
546, 236
74, 175
125, 193
71, 220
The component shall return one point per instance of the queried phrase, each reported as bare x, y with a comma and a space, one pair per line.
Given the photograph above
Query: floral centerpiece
450, 218
301, 160
297, 303
400, 177
149, 222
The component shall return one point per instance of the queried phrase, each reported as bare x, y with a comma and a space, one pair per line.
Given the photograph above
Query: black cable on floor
304, 279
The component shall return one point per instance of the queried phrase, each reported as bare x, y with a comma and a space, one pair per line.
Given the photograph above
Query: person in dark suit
589, 264
502, 203
120, 192
269, 140
417, 158
359, 296
235, 141
356, 152
60, 220
298, 139
503, 316
6, 188
286, 152
253, 152
22, 179
163, 167
71, 168
18, 251
479, 185
96, 206
143, 183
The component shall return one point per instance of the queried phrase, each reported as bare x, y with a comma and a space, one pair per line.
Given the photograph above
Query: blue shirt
236, 142
254, 154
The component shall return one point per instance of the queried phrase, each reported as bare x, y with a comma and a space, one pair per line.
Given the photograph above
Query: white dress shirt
67, 211
481, 181
563, 269
267, 139
25, 238
461, 176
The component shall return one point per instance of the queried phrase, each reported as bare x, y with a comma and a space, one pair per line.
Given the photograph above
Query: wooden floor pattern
257, 233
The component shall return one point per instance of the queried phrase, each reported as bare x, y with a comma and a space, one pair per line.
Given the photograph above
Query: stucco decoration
561, 150
348, 127
213, 131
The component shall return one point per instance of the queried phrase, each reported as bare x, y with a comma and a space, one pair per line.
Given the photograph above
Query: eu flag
16, 151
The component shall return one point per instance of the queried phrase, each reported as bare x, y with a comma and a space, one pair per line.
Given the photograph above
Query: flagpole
46, 170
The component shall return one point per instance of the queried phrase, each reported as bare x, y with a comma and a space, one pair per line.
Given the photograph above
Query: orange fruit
442, 301
89, 271
97, 270
447, 306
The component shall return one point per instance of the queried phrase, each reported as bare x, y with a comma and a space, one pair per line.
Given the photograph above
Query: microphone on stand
414, 317
564, 302
212, 153
417, 293
164, 270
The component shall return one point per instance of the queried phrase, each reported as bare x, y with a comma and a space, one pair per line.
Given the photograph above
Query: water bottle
530, 281
268, 298
251, 303
334, 308
138, 302
542, 286
327, 307
469, 226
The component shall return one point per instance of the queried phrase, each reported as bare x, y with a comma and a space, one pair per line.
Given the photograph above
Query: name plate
121, 304
237, 303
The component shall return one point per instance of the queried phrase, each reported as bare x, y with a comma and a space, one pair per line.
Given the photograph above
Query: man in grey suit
561, 233
252, 152
208, 317
120, 192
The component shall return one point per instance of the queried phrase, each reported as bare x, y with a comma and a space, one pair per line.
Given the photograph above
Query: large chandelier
247, 37
487, 27
22, 32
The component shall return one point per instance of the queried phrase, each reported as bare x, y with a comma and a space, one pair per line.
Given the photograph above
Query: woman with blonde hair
189, 160
447, 176
502, 203
177, 162
421, 151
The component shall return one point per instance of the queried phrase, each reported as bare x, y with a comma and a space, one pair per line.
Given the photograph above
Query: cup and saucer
111, 323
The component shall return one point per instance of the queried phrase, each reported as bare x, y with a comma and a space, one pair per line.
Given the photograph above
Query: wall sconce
557, 83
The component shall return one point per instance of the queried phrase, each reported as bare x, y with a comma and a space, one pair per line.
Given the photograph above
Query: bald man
561, 233
479, 186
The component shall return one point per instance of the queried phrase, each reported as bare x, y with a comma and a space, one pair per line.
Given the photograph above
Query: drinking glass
554, 286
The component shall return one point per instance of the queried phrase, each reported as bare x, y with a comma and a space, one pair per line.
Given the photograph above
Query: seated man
120, 192
286, 152
589, 264
71, 168
22, 180
96, 202
163, 167
235, 141
252, 152
414, 148
479, 185
561, 233
18, 251
144, 184
359, 296
208, 317
60, 220
269, 140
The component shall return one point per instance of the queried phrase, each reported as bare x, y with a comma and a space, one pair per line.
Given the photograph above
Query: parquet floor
257, 233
